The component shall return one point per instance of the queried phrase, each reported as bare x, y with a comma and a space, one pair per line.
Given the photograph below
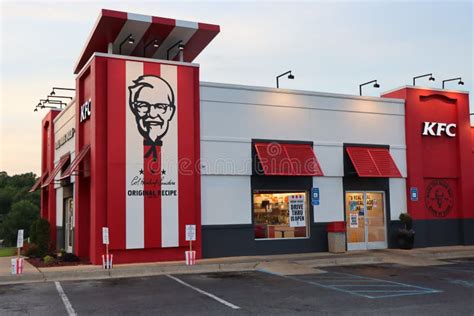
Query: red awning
64, 159
38, 182
288, 159
75, 163
373, 162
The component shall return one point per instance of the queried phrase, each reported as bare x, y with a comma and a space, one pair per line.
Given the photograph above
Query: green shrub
32, 251
70, 257
33, 235
407, 220
48, 260
41, 236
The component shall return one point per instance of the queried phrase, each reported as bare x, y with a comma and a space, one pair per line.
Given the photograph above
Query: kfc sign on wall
86, 110
437, 129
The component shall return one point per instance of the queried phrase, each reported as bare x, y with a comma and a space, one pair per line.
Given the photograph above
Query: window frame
308, 217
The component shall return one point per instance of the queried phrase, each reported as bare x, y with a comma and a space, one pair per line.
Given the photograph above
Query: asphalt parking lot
366, 289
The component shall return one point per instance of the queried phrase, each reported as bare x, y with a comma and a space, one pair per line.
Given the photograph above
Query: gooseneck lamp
376, 85
58, 88
128, 39
59, 97
290, 76
460, 82
431, 78
48, 101
155, 43
180, 47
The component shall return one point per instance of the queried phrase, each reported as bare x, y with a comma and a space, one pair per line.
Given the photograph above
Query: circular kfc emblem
439, 198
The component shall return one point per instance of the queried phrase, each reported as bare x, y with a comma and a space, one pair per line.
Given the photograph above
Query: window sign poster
354, 221
353, 206
297, 210
361, 211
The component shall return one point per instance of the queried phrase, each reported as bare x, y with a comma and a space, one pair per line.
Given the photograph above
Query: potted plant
406, 235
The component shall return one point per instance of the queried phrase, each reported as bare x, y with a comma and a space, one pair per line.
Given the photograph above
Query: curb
331, 262
97, 273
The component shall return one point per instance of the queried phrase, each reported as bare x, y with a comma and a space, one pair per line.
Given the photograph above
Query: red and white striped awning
115, 26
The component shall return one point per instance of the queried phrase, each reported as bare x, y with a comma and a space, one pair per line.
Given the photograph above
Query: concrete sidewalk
282, 264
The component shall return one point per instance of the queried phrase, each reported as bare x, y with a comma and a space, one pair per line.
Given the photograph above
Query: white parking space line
67, 303
220, 300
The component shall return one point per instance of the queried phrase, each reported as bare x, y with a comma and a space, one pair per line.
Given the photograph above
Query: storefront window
280, 215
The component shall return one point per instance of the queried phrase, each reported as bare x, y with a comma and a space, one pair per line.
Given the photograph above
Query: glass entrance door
69, 231
365, 220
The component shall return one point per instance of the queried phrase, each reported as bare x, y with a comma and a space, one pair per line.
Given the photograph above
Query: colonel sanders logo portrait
152, 102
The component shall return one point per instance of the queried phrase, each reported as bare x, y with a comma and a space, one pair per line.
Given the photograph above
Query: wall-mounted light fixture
42, 103
128, 39
460, 82
58, 88
430, 79
155, 43
180, 47
376, 85
290, 76
59, 97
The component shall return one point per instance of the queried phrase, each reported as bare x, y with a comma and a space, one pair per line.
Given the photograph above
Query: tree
5, 201
15, 188
22, 214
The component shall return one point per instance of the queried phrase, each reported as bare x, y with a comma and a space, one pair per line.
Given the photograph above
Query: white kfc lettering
436, 129
441, 128
428, 128
86, 110
449, 128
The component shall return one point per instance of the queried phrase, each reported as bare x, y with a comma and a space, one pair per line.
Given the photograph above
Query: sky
331, 46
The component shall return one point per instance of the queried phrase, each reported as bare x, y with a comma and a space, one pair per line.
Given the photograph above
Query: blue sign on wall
414, 194
315, 196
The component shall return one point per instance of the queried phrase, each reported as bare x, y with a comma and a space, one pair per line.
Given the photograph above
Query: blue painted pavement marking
467, 269
360, 285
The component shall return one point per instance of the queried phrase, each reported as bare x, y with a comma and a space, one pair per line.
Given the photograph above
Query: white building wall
398, 198
331, 207
64, 122
59, 207
226, 200
233, 115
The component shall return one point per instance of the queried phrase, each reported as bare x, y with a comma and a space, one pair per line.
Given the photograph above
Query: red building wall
441, 167
142, 227
48, 194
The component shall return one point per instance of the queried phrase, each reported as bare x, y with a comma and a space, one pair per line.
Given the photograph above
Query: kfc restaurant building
146, 149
